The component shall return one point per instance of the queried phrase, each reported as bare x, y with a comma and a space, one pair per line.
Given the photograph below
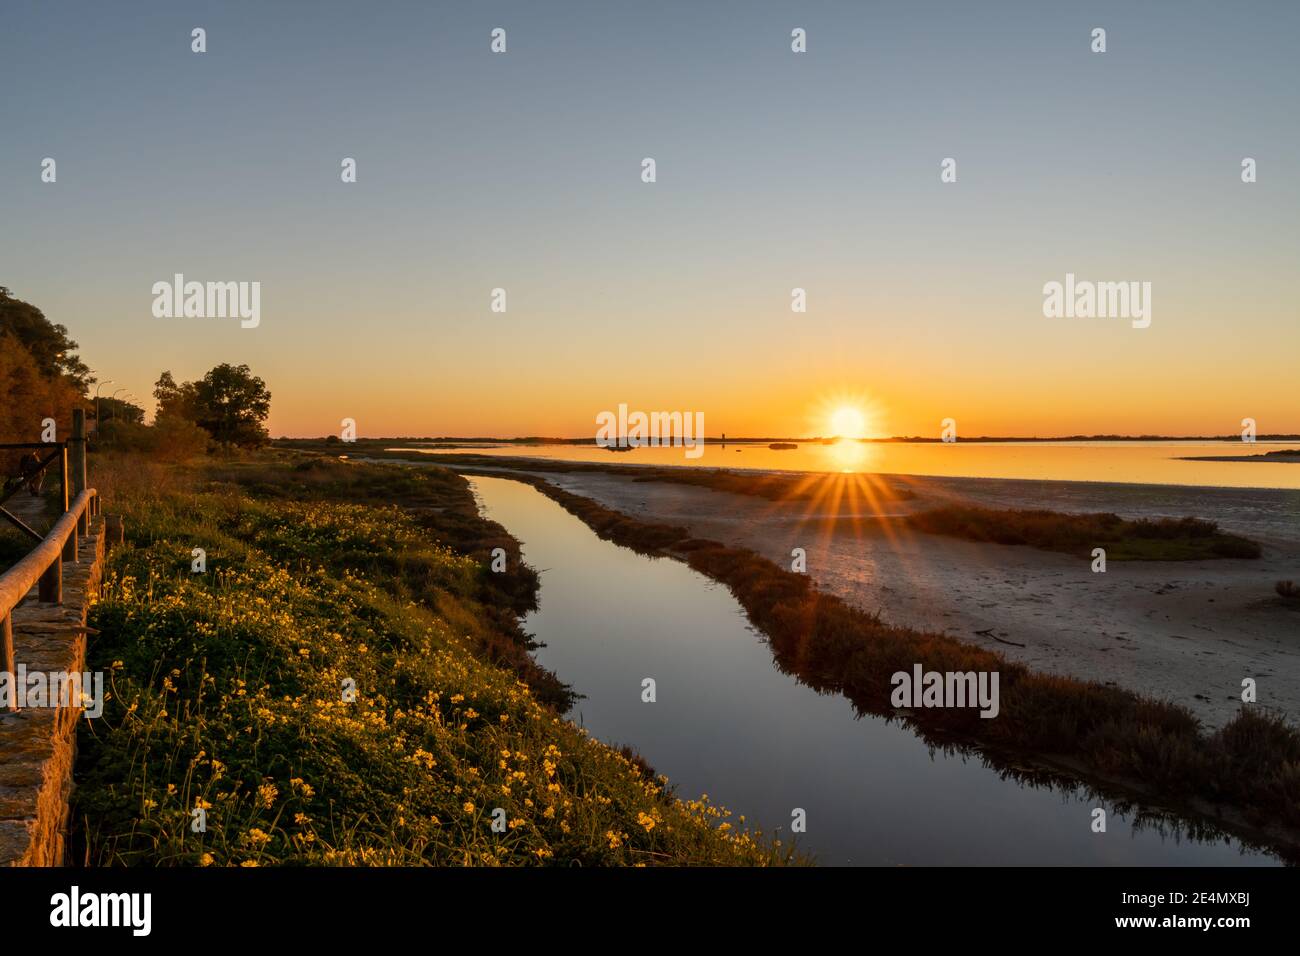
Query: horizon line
724, 440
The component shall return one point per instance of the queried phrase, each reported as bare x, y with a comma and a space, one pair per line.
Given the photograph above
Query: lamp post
113, 397
97, 388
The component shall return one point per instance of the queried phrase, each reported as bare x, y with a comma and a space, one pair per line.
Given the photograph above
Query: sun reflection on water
852, 456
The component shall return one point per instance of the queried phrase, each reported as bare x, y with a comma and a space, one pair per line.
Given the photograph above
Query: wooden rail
43, 566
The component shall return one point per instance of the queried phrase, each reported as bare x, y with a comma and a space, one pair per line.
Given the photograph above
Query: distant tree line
42, 377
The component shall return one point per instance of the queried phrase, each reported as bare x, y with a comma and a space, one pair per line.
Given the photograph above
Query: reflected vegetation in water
729, 723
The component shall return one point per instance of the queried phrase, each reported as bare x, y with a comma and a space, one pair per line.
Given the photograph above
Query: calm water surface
1157, 463
728, 724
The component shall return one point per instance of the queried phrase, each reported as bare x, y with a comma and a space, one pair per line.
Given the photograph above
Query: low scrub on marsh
226, 696
1165, 539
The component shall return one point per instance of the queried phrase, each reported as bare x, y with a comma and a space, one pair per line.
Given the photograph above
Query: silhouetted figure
32, 472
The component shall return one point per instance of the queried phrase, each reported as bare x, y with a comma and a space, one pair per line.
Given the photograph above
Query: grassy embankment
1246, 775
227, 688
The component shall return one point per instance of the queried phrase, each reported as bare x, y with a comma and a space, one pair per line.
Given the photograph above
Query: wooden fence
43, 565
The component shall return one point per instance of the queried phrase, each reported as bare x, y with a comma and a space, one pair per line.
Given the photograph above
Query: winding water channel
727, 723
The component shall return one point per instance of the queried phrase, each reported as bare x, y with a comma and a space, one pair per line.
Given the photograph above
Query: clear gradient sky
775, 170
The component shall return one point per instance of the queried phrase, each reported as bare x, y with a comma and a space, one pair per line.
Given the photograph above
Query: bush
123, 435
1162, 539
176, 439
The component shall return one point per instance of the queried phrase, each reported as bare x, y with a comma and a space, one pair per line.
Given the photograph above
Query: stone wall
38, 746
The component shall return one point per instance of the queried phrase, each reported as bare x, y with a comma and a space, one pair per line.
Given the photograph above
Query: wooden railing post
79, 461
69, 546
50, 589
63, 476
7, 657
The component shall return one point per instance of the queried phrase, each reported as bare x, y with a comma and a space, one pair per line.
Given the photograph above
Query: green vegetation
441, 504
230, 403
1168, 539
227, 688
1248, 772
14, 546
224, 410
40, 377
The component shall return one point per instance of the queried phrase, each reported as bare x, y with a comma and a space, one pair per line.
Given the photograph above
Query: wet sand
1187, 631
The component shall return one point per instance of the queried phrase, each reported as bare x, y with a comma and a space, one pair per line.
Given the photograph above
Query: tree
47, 342
120, 410
230, 403
39, 377
233, 404
27, 397
175, 401
120, 425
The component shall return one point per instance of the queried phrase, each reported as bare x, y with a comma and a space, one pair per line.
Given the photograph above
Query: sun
848, 413
848, 421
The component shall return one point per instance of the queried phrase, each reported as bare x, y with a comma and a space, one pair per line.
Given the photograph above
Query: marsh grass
226, 694
1164, 539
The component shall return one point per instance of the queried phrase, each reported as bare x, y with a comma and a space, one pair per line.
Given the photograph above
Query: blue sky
775, 170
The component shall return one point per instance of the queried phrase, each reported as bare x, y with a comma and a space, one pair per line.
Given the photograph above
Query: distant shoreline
1268, 456
1263, 512
520, 459
902, 440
